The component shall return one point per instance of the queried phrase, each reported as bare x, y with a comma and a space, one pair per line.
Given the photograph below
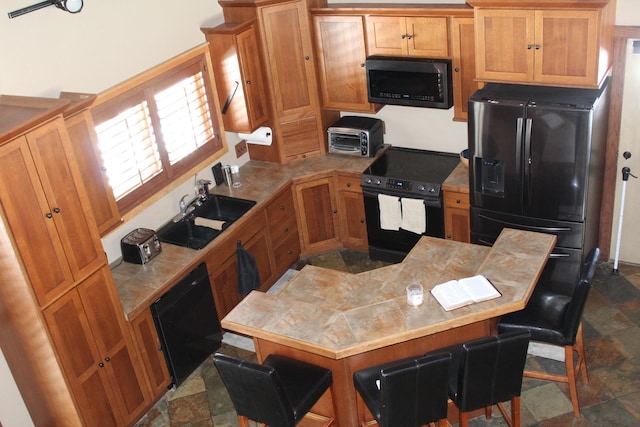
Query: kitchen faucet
184, 205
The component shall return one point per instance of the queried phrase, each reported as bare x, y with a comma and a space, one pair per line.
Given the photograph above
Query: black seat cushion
407, 392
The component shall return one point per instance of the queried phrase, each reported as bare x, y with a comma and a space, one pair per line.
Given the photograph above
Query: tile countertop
337, 314
139, 286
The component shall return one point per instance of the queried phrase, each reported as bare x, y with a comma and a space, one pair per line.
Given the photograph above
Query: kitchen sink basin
184, 231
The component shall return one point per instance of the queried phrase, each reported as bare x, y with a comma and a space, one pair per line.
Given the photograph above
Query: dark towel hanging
248, 274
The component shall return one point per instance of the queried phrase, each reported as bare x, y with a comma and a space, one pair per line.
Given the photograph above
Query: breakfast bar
346, 322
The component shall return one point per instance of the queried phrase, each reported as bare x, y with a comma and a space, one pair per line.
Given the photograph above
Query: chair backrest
414, 392
256, 391
573, 315
491, 370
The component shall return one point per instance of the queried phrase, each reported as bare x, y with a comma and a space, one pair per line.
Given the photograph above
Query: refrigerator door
557, 143
495, 151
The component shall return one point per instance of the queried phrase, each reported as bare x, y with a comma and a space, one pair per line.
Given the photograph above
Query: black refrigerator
537, 163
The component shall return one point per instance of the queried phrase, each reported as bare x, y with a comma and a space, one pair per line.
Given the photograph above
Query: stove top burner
409, 171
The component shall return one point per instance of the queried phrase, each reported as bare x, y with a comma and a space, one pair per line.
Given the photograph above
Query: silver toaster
140, 246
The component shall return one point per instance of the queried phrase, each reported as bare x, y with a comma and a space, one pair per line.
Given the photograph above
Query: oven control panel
400, 186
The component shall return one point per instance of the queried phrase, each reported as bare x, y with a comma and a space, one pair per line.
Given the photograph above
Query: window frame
145, 85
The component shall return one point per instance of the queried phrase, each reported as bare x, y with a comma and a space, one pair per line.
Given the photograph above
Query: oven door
393, 246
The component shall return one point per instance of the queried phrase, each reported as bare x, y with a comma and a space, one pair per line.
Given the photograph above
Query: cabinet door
566, 49
31, 222
316, 210
353, 224
85, 148
286, 36
65, 193
151, 352
456, 217
301, 139
505, 44
427, 36
464, 65
341, 56
386, 35
255, 96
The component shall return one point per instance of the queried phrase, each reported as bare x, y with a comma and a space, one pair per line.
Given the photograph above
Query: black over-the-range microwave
416, 82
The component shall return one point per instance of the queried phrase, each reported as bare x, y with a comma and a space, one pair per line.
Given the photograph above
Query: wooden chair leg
582, 359
243, 421
571, 379
463, 419
488, 412
512, 419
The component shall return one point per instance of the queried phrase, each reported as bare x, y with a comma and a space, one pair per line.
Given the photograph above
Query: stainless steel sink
184, 232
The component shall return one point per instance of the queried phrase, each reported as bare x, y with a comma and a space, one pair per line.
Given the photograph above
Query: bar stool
408, 392
488, 371
278, 392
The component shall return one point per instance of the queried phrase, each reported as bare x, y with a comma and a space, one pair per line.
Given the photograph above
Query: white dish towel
414, 215
390, 213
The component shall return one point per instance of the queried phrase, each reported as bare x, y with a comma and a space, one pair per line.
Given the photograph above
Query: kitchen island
346, 322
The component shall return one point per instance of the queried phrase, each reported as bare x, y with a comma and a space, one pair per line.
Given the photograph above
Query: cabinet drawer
280, 208
283, 230
287, 252
456, 200
349, 183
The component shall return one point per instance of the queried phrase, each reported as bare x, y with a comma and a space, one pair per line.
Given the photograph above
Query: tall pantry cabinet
298, 122
57, 297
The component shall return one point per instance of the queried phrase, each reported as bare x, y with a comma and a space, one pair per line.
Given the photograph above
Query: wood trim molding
621, 35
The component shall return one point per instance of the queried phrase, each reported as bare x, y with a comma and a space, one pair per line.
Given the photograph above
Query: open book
458, 293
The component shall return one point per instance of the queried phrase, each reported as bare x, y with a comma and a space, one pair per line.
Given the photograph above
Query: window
156, 130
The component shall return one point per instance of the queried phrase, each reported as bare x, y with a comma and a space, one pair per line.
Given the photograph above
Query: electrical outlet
241, 148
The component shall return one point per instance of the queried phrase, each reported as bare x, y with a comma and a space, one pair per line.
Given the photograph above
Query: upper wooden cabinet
341, 52
566, 45
45, 204
425, 36
463, 59
288, 60
236, 65
84, 143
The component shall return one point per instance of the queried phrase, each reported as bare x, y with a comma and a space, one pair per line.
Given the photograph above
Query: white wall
48, 51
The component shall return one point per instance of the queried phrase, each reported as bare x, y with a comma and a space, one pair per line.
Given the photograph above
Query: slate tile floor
612, 333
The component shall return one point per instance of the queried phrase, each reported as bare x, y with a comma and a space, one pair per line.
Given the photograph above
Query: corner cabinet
425, 36
316, 212
353, 223
236, 66
340, 44
288, 60
567, 45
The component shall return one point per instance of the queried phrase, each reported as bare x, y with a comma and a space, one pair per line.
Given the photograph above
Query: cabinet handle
306, 57
537, 47
409, 36
335, 211
458, 201
362, 64
101, 364
286, 229
529, 46
281, 207
49, 215
289, 252
457, 69
56, 210
248, 82
103, 169
160, 348
107, 359
362, 221
448, 236
349, 184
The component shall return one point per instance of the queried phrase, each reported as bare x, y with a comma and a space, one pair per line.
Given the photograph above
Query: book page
451, 295
479, 288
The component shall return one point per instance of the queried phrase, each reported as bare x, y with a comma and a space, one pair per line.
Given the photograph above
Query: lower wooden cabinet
283, 229
353, 223
316, 212
151, 353
91, 341
456, 216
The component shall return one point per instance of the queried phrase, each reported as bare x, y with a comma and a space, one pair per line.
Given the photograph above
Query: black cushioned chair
406, 393
486, 372
278, 392
556, 319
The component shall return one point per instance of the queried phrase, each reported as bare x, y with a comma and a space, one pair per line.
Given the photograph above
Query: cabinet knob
107, 359
248, 82
286, 229
448, 236
56, 210
101, 364
537, 47
349, 184
409, 36
404, 36
103, 169
335, 211
160, 348
289, 252
306, 57
281, 207
457, 69
49, 215
362, 221
458, 201
362, 64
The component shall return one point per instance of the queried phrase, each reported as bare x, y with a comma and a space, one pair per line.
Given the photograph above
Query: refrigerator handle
527, 227
527, 161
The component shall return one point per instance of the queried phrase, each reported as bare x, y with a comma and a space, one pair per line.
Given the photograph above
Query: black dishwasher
187, 324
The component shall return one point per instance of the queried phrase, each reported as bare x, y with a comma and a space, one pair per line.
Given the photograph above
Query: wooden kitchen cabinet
151, 353
84, 143
238, 74
46, 207
90, 336
425, 36
288, 61
222, 263
456, 216
463, 58
317, 212
566, 45
353, 224
283, 230
341, 51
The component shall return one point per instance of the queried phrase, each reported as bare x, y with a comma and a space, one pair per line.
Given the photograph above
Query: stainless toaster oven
357, 136
140, 246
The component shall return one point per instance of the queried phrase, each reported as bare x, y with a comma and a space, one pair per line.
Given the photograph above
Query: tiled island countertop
336, 314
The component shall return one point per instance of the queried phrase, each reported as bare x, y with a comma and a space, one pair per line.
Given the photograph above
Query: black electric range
405, 173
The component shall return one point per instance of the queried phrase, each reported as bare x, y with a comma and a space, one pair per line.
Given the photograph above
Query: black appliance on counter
187, 324
410, 173
537, 163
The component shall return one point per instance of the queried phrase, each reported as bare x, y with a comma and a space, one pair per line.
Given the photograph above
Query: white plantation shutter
155, 131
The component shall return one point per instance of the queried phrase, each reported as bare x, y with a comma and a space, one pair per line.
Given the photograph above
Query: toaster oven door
345, 143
